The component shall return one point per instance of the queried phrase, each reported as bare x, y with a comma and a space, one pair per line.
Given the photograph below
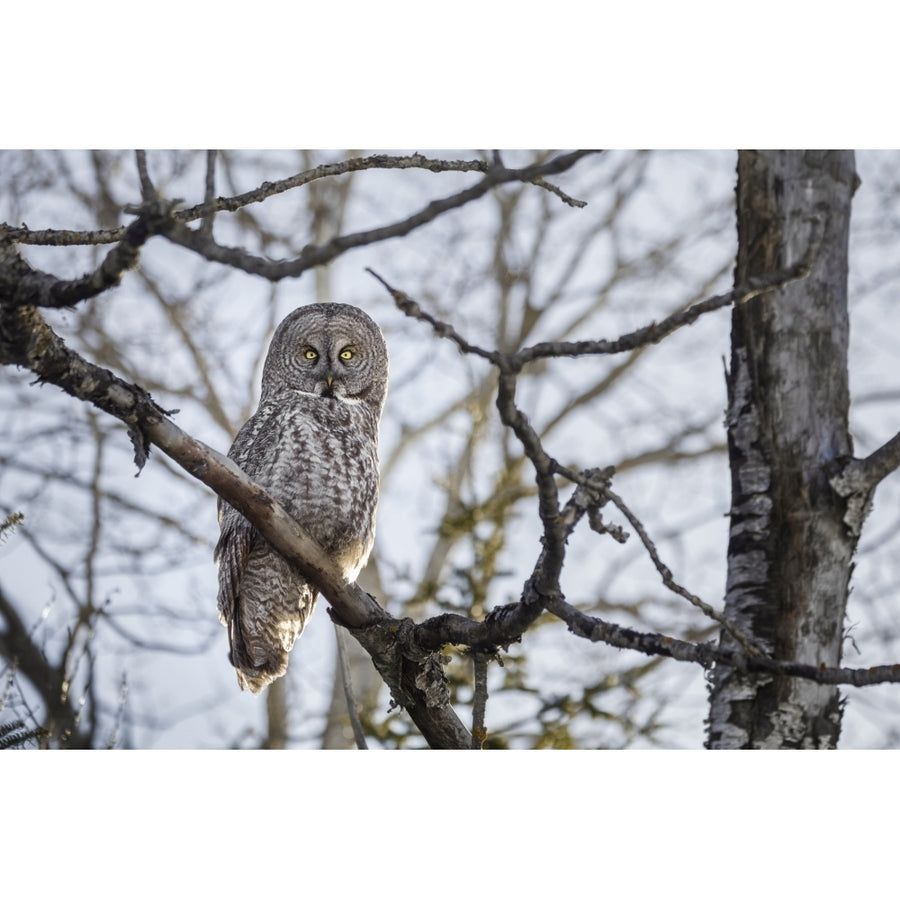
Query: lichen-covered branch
27, 340
22, 285
707, 654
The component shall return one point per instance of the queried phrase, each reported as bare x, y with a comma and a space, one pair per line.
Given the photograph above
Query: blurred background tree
107, 587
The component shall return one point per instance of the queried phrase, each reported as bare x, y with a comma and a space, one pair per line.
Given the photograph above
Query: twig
148, 191
656, 331
329, 170
62, 237
666, 574
206, 226
409, 307
479, 701
706, 654
641, 337
506, 624
358, 734
570, 201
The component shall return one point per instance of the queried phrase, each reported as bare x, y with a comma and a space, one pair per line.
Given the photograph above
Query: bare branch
667, 579
329, 170
148, 191
656, 331
22, 285
706, 654
569, 201
313, 255
857, 480
212, 204
880, 463
479, 702
506, 624
206, 226
635, 340
63, 237
409, 307
358, 734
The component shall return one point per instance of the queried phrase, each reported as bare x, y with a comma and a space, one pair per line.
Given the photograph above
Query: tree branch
657, 331
148, 191
211, 204
666, 574
318, 255
505, 625
206, 226
414, 675
641, 337
857, 480
328, 170
706, 654
21, 285
410, 308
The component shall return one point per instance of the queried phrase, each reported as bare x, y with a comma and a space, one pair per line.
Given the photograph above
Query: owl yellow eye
310, 354
347, 354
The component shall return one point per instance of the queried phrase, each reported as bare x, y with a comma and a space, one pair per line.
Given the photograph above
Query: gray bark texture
790, 551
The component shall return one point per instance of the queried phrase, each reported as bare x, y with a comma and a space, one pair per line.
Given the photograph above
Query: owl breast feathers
312, 443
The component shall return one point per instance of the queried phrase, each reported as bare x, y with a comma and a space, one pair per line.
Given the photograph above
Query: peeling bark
790, 552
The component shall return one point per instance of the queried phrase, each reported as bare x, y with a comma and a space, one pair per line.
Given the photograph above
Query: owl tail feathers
257, 679
253, 677
256, 667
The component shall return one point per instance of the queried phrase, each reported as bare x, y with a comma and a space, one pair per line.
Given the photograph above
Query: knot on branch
406, 667
590, 496
147, 412
22, 285
154, 216
853, 484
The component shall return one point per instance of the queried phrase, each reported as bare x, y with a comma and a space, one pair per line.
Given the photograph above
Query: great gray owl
312, 445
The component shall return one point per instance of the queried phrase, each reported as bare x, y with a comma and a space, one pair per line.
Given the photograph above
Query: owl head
330, 350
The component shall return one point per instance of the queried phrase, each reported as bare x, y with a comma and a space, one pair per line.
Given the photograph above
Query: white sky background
629, 77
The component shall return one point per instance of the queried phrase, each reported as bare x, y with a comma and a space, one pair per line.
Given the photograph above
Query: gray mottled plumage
312, 445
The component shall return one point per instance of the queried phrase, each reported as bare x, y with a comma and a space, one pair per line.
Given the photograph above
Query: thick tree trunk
789, 553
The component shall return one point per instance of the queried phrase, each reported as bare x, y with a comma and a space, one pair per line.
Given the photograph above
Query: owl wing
235, 539
231, 553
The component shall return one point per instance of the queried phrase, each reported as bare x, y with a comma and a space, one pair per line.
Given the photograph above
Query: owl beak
329, 380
